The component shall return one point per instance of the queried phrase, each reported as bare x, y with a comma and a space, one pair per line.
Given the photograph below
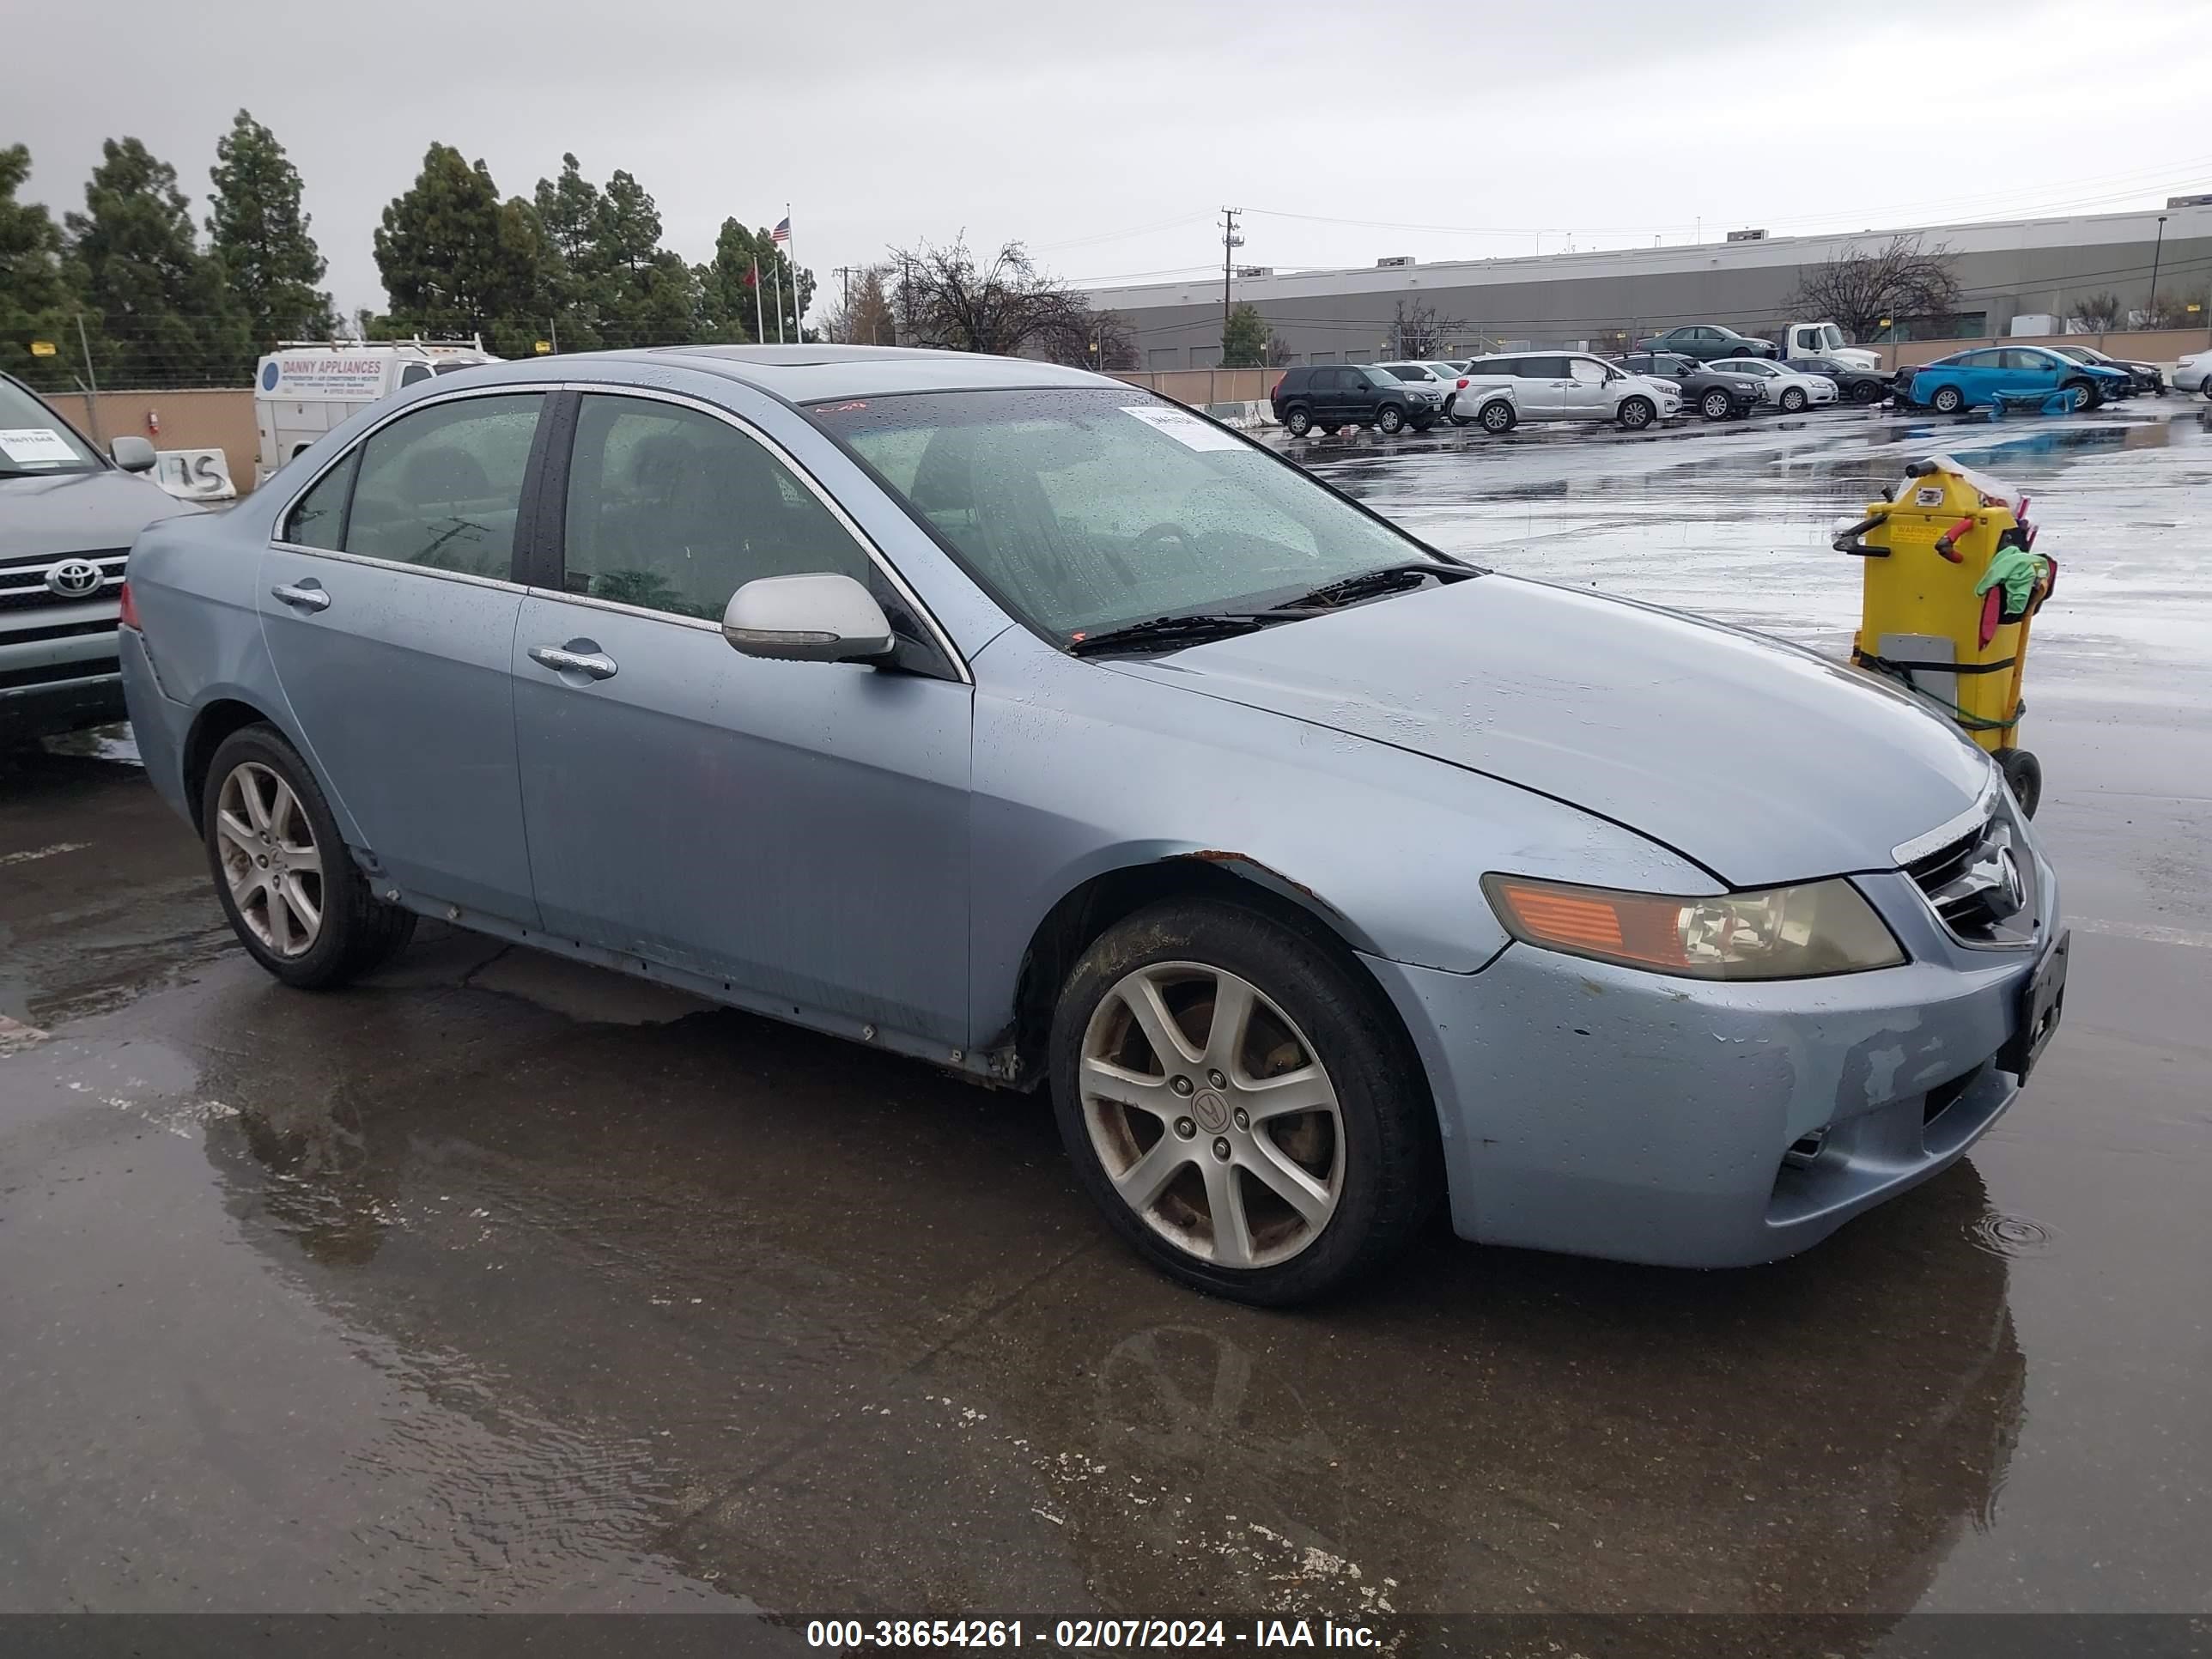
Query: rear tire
2023, 773
1370, 1154
1390, 420
1948, 400
1636, 413
1499, 417
282, 874
1422, 423
1297, 420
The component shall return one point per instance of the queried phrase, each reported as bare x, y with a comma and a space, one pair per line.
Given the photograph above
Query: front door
798, 831
388, 604
1588, 398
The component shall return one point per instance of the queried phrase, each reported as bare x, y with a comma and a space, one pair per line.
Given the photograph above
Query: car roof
804, 373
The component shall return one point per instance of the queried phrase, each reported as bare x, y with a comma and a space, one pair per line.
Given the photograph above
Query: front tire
1793, 400
1948, 400
1716, 405
1868, 391
1423, 422
291, 890
2085, 396
1240, 1103
1636, 413
1390, 420
2023, 773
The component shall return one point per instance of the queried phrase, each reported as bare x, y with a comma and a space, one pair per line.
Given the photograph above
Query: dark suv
68, 515
1326, 395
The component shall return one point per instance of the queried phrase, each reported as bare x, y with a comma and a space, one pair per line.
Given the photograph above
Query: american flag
782, 232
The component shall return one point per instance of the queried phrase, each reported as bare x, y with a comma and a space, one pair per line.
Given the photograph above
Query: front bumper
1602, 1111
57, 670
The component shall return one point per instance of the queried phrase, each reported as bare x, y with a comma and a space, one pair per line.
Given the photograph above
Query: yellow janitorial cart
1951, 581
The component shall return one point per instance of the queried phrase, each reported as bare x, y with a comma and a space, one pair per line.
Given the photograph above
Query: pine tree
165, 312
571, 209
726, 303
35, 300
259, 232
456, 260
647, 295
1244, 341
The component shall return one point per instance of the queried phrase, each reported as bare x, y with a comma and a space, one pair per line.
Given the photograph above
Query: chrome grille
24, 580
1982, 885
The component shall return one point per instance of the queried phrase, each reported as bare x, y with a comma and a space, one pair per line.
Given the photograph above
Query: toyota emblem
73, 578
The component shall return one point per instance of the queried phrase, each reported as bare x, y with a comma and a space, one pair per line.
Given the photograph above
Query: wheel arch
216, 721
1104, 897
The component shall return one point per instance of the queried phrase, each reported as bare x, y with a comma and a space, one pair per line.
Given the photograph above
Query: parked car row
1495, 392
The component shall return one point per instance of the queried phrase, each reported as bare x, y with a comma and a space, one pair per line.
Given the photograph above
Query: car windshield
1081, 510
1830, 336
35, 441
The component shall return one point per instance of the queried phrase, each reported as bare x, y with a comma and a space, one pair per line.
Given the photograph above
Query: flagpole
791, 252
760, 316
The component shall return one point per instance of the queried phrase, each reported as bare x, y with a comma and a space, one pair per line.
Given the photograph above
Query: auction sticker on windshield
1185, 427
35, 445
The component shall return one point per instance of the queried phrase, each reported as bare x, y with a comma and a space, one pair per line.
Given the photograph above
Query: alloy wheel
1213, 1117
269, 858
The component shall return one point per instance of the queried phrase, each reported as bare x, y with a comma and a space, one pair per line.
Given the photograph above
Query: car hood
60, 513
1759, 761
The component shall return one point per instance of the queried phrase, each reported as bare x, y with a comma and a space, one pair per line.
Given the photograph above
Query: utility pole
2150, 318
91, 383
844, 273
1231, 241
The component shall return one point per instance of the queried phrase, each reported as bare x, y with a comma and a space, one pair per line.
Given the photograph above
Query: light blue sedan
1009, 718
1971, 380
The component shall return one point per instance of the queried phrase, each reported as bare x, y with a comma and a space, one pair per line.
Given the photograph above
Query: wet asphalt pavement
499, 1283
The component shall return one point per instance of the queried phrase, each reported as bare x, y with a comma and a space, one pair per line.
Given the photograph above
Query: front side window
35, 441
442, 487
1082, 509
319, 519
671, 509
1588, 373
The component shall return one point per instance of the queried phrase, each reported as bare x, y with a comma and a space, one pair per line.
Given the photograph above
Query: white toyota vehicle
1573, 385
1781, 388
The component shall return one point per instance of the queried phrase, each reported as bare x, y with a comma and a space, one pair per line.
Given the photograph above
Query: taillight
1462, 383
129, 611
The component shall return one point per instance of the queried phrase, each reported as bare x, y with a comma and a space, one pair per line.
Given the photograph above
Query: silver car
1006, 717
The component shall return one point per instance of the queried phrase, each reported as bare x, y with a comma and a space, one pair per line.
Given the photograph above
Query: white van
305, 387
1574, 385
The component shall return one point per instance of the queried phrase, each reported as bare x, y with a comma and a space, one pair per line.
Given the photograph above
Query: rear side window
1543, 369
414, 371
318, 518
442, 488
670, 509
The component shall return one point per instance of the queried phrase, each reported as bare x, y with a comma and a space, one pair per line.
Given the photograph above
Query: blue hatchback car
1010, 718
1969, 380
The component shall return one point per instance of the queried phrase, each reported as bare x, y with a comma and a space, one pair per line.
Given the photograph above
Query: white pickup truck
1821, 340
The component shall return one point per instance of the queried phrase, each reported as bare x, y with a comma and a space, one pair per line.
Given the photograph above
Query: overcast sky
1107, 137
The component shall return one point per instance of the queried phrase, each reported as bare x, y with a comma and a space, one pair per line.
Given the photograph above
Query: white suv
1573, 385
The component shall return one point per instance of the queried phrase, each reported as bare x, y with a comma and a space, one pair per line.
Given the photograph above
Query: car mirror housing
132, 454
821, 618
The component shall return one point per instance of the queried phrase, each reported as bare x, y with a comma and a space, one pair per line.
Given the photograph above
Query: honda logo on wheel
72, 578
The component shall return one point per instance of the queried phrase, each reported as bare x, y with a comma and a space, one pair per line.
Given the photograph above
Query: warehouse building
2021, 268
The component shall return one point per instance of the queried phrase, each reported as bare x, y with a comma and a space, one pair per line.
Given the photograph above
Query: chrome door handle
303, 597
599, 665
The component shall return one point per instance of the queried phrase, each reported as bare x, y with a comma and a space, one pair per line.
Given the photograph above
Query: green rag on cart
2018, 571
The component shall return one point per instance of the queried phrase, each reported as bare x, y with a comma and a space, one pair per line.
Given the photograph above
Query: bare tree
2172, 309
1278, 352
1416, 330
1859, 289
2099, 312
947, 298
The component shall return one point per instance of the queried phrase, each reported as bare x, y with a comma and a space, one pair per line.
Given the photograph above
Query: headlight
1784, 932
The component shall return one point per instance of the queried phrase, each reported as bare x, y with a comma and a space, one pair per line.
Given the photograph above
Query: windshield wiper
1370, 584
1166, 632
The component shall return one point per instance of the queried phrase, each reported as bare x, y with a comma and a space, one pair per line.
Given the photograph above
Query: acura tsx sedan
1008, 717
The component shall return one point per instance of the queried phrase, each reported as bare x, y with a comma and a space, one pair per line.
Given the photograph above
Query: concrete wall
1344, 316
189, 419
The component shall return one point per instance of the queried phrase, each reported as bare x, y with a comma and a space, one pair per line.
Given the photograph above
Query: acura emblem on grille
72, 578
2015, 885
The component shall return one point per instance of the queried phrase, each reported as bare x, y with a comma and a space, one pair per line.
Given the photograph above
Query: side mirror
815, 618
132, 454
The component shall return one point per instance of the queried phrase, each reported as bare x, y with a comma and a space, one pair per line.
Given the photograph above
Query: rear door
796, 831
388, 604
1542, 384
